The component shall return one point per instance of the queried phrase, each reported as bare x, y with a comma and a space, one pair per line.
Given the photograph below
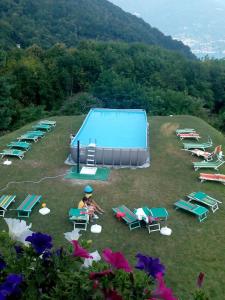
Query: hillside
47, 22
170, 177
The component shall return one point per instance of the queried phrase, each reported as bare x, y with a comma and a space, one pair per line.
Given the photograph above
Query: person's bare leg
98, 208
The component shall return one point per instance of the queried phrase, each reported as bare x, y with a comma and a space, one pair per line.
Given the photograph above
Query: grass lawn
193, 247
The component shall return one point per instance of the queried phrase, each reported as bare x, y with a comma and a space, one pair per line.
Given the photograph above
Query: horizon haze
198, 24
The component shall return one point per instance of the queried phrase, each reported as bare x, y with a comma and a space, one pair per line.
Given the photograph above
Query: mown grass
193, 246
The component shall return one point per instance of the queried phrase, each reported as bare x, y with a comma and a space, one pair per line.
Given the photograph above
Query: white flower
72, 235
88, 261
19, 230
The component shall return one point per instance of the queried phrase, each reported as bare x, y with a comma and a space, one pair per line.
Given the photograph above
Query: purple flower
40, 242
19, 249
59, 252
2, 263
11, 286
46, 255
150, 265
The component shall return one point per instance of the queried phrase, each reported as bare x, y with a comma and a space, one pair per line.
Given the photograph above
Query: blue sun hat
88, 189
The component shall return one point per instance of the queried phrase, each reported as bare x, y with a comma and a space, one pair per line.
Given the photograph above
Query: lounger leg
214, 208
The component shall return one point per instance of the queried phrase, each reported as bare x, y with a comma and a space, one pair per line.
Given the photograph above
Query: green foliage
163, 102
120, 75
59, 274
117, 92
6, 105
200, 295
79, 104
30, 113
47, 22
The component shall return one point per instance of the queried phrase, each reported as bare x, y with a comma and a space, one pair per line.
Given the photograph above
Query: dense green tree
113, 75
81, 103
6, 107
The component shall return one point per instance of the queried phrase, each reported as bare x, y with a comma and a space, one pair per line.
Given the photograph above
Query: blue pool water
113, 128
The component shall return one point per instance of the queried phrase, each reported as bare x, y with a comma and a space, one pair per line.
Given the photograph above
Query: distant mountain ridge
46, 22
198, 23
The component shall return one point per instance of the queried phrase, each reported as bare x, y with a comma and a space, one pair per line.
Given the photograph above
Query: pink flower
162, 292
111, 295
116, 259
96, 284
97, 275
200, 279
79, 251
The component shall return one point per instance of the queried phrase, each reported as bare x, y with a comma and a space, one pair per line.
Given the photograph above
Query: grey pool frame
118, 157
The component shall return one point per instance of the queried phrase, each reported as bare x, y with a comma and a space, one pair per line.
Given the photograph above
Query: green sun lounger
5, 201
200, 211
37, 132
203, 146
205, 199
185, 130
21, 145
27, 205
208, 164
129, 217
29, 136
12, 152
48, 122
152, 217
43, 127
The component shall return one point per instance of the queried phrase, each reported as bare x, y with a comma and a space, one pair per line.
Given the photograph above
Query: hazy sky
198, 23
169, 14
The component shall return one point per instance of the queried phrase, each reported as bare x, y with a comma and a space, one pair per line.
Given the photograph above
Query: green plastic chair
208, 164
27, 205
203, 146
37, 133
44, 127
5, 201
21, 145
129, 217
154, 216
48, 122
12, 152
79, 217
184, 130
199, 211
29, 136
205, 199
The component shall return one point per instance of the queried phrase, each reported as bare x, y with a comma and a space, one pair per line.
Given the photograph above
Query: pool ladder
91, 151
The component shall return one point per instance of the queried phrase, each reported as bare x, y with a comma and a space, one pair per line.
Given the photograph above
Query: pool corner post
78, 157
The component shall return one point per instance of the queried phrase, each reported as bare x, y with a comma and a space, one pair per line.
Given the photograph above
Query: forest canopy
61, 80
47, 22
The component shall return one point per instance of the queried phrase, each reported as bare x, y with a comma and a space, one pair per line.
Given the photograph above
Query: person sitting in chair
84, 204
91, 202
88, 190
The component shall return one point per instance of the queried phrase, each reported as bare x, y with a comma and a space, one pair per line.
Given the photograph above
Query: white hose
30, 181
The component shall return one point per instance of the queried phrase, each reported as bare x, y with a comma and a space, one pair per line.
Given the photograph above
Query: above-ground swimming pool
117, 137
